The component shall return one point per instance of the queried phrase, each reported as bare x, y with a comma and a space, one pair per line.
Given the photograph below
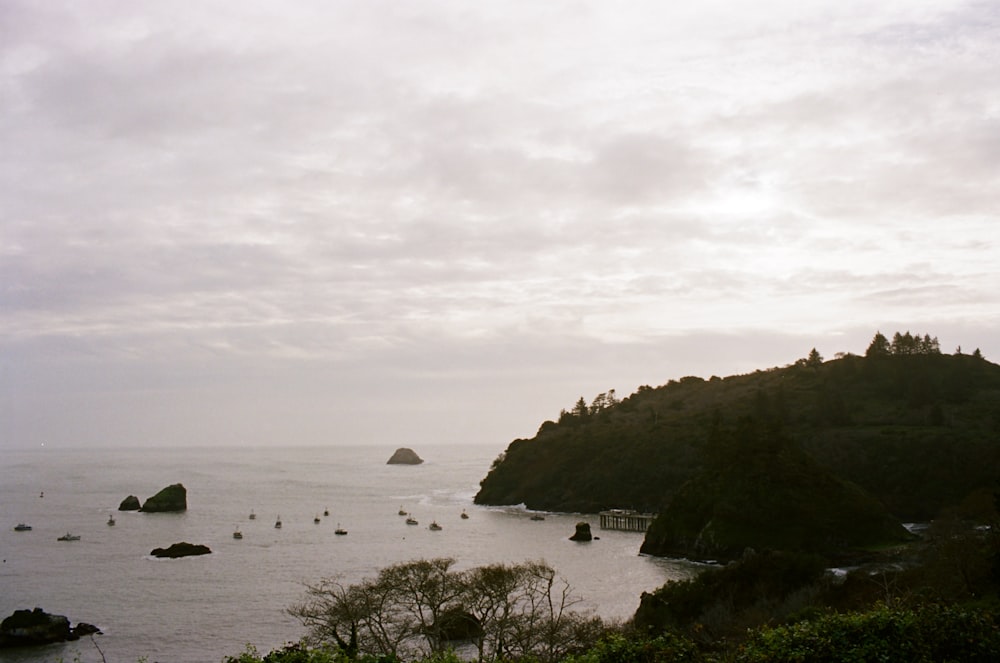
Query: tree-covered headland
794, 479
911, 427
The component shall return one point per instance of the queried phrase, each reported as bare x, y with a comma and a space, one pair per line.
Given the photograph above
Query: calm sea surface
201, 609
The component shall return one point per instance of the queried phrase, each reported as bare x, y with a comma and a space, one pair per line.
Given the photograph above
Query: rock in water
182, 549
83, 628
582, 533
130, 503
404, 456
458, 625
34, 627
171, 498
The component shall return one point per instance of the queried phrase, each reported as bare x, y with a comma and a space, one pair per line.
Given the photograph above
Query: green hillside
915, 429
760, 490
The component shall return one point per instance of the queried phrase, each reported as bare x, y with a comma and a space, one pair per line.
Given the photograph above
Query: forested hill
916, 429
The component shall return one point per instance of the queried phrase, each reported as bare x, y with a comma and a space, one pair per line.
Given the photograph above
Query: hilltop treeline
913, 427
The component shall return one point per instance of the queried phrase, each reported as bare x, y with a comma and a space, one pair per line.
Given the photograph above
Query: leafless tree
513, 611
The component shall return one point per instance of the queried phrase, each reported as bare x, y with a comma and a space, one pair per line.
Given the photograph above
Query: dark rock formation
458, 625
83, 628
171, 498
37, 627
404, 456
130, 503
582, 533
182, 549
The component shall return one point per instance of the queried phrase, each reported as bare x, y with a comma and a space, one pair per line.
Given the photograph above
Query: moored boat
21, 527
434, 526
340, 531
410, 520
111, 519
69, 537
277, 523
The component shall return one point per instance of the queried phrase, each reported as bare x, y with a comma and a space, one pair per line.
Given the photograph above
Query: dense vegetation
760, 490
914, 428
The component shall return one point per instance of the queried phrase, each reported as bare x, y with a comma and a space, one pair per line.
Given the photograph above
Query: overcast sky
404, 223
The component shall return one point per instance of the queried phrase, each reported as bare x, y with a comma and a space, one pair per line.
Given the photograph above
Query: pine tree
879, 347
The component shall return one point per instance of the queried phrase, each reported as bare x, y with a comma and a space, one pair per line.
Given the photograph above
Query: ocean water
202, 609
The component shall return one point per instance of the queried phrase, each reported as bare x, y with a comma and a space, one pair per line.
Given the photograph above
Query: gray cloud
327, 211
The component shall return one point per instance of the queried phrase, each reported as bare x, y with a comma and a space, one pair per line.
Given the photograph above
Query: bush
724, 601
930, 634
291, 653
621, 649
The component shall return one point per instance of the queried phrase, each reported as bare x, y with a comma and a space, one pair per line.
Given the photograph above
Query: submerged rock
582, 533
182, 549
171, 498
37, 627
404, 456
130, 503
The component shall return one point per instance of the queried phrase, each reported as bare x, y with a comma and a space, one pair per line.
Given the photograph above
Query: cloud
431, 207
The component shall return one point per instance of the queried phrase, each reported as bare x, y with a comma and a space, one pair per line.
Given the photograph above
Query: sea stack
130, 503
172, 498
582, 533
404, 456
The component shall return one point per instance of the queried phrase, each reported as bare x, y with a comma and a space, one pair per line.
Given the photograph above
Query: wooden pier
626, 519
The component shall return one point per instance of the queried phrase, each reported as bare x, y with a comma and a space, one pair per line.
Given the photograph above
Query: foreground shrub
292, 653
723, 602
930, 634
423, 608
621, 649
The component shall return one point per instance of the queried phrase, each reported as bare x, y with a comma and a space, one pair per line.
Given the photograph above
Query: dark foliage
928, 634
760, 490
725, 601
917, 430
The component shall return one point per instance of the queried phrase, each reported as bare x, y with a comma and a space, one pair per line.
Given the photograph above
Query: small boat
21, 527
111, 519
410, 520
434, 526
277, 523
69, 537
41, 494
402, 511
237, 534
326, 512
465, 516
537, 517
316, 520
340, 531
253, 516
